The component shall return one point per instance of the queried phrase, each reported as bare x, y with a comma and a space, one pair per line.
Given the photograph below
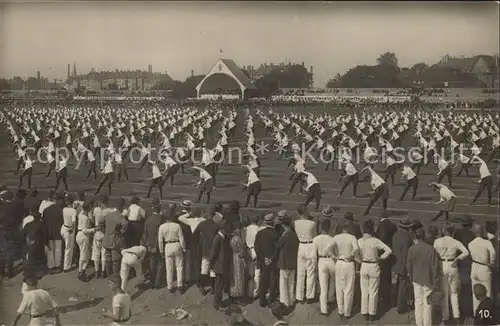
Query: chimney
192, 72
38, 74
311, 71
303, 65
150, 69
69, 70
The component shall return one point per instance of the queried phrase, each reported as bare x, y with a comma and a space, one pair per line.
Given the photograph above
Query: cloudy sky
178, 37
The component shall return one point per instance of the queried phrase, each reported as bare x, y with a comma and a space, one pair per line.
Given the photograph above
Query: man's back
265, 243
486, 313
150, 235
207, 231
53, 217
401, 243
386, 231
423, 264
116, 226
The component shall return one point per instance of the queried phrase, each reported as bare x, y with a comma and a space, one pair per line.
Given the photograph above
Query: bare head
478, 230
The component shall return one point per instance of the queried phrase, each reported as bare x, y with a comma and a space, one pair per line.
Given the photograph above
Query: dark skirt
254, 189
208, 185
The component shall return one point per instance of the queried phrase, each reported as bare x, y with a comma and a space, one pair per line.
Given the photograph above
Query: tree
334, 82
419, 67
388, 59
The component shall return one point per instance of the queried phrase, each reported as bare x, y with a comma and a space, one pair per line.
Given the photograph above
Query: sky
178, 37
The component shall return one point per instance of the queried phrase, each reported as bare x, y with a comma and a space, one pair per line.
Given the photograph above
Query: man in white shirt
464, 164
313, 189
107, 176
171, 244
136, 216
131, 258
369, 273
350, 175
483, 256
323, 246
306, 230
447, 198
156, 180
47, 202
252, 186
122, 303
347, 249
206, 184
448, 248
171, 169
444, 169
486, 181
68, 233
249, 234
62, 171
411, 182
380, 190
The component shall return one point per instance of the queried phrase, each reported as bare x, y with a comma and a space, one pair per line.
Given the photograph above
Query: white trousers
306, 271
253, 284
326, 275
69, 245
54, 255
423, 310
287, 286
480, 274
345, 277
129, 261
450, 286
83, 242
174, 259
98, 252
369, 279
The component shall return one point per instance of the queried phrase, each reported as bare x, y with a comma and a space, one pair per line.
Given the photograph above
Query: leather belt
447, 260
171, 241
66, 226
39, 315
483, 264
306, 242
345, 260
369, 262
323, 257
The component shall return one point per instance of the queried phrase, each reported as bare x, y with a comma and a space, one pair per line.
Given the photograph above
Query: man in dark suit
150, 241
464, 234
219, 262
401, 243
187, 234
265, 243
354, 228
53, 218
385, 231
486, 312
33, 201
114, 235
205, 233
286, 249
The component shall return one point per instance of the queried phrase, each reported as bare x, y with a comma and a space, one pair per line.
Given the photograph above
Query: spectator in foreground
37, 302
121, 302
485, 313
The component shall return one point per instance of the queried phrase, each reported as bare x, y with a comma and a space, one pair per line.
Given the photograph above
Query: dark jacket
265, 245
186, 232
286, 250
385, 232
205, 233
354, 229
150, 234
486, 313
220, 254
31, 202
53, 218
115, 227
401, 243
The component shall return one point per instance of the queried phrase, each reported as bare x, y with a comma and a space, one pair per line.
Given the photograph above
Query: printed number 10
484, 314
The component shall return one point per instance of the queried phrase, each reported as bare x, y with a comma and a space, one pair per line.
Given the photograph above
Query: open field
93, 296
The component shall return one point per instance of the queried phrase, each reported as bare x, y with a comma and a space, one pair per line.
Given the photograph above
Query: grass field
274, 177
